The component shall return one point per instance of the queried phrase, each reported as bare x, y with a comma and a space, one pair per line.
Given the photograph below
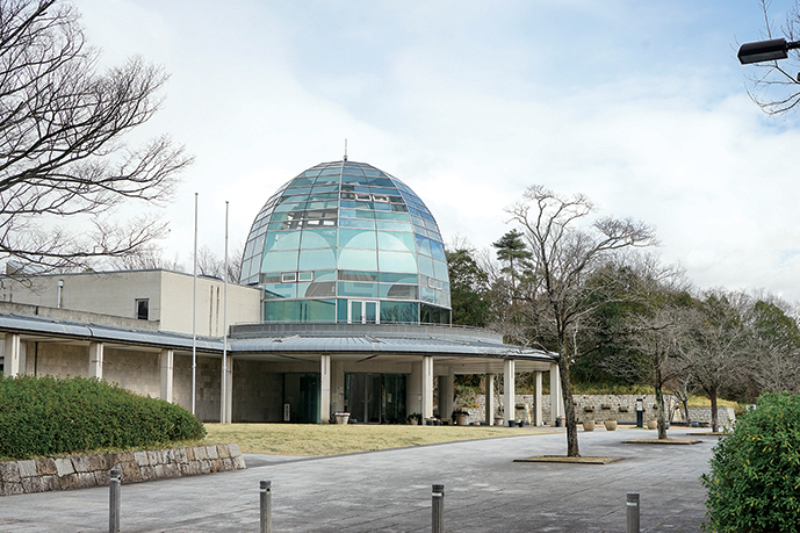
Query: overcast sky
642, 106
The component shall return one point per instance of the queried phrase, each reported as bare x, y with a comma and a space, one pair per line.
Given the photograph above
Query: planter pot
588, 425
498, 421
461, 419
413, 422
511, 423
611, 425
652, 423
342, 418
560, 422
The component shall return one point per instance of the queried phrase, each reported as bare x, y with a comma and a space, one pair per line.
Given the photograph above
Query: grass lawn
332, 439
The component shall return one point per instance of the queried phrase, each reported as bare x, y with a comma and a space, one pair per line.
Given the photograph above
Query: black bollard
266, 506
633, 512
438, 509
114, 486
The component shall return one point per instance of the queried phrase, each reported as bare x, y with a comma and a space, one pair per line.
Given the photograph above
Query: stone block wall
620, 407
84, 471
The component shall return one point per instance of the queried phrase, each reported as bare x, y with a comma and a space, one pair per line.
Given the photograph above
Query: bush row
48, 416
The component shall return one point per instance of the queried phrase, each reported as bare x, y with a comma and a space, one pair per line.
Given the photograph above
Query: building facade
344, 305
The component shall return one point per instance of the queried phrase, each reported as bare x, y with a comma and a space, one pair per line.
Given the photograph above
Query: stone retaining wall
84, 471
620, 407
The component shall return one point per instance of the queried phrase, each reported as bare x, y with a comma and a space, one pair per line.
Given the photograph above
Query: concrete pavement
390, 491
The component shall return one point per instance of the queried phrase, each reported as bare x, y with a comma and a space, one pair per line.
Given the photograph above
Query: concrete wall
257, 392
209, 384
170, 296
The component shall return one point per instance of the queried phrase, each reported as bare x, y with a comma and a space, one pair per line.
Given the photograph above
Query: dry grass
331, 439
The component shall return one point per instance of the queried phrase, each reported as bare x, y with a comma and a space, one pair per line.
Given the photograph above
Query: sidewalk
390, 491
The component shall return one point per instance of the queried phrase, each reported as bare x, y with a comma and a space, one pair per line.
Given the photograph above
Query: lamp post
766, 51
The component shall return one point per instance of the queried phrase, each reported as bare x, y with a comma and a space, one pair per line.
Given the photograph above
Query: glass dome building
344, 242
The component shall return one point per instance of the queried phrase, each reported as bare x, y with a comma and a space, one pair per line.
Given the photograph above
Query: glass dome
344, 242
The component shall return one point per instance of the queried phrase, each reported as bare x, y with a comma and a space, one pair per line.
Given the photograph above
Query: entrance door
364, 397
301, 393
363, 312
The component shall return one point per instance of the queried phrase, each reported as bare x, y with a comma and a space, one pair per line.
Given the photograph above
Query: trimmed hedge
754, 483
48, 416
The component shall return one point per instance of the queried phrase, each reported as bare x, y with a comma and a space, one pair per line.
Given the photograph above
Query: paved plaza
390, 491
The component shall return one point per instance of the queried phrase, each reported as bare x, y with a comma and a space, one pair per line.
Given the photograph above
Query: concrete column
427, 387
337, 387
225, 417
12, 352
488, 394
414, 390
96, 360
508, 388
556, 405
537, 398
166, 360
325, 388
446, 393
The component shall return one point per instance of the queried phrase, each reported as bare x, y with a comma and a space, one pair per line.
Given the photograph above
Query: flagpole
194, 312
224, 414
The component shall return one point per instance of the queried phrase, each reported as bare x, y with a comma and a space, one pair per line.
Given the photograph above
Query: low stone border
84, 471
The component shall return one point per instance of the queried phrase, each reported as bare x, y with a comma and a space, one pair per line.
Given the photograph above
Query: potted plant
341, 417
610, 423
588, 424
414, 418
652, 423
459, 417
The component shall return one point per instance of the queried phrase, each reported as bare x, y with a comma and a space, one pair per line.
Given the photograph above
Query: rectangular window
289, 277
143, 308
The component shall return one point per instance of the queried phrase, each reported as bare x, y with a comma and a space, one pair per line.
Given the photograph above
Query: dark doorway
301, 398
376, 398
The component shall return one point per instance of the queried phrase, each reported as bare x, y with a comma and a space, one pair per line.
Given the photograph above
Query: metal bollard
266, 507
437, 518
633, 512
114, 486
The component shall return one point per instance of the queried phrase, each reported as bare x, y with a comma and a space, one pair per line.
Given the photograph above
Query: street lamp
766, 51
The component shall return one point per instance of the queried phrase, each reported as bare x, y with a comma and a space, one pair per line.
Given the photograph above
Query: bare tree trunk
569, 408
714, 416
662, 429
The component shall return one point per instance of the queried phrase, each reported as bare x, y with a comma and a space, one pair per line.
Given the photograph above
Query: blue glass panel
323, 205
316, 289
423, 245
397, 261
398, 277
347, 213
364, 205
380, 182
279, 312
323, 197
318, 311
324, 189
297, 190
397, 291
357, 259
332, 178
324, 275
341, 311
399, 313
282, 240
317, 259
301, 181
354, 180
318, 238
400, 208
425, 265
291, 206
382, 206
357, 275
279, 261
438, 251
400, 217
356, 223
360, 290
357, 238
364, 214
440, 270
396, 241
347, 203
280, 290
393, 226
383, 190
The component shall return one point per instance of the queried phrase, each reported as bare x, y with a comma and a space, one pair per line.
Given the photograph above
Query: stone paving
390, 491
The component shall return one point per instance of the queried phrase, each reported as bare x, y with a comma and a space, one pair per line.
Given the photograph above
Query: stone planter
498, 421
342, 418
652, 423
611, 425
461, 419
588, 425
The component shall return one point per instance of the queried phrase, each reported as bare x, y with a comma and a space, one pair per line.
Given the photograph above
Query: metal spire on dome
345, 149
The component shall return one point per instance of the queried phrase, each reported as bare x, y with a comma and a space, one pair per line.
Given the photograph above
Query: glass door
363, 312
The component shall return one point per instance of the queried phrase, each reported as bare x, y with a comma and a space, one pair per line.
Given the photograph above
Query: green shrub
48, 416
754, 482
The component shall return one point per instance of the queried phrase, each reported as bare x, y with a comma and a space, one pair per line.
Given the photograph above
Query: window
143, 308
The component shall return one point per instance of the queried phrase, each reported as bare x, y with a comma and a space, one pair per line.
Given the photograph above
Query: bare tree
776, 87
62, 155
147, 257
564, 256
720, 343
